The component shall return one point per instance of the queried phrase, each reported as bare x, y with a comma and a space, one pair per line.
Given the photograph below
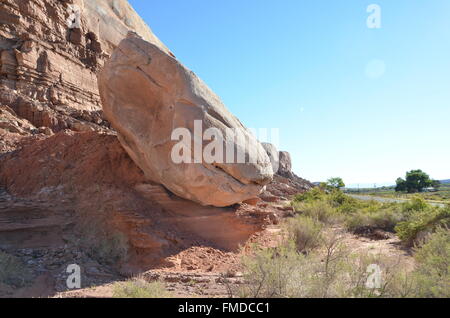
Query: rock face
146, 95
274, 157
286, 183
67, 185
85, 186
50, 54
285, 169
50, 51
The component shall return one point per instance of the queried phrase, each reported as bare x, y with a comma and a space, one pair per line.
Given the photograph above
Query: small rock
46, 131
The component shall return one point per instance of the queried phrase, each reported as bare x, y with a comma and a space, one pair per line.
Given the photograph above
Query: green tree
416, 181
401, 185
436, 184
336, 183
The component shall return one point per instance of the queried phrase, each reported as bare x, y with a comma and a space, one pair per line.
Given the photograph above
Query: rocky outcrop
147, 94
71, 194
50, 54
51, 50
274, 157
285, 168
285, 183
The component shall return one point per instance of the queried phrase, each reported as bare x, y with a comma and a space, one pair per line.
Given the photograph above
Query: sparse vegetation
313, 262
432, 275
329, 271
109, 248
440, 194
101, 241
410, 220
320, 210
140, 288
305, 232
422, 219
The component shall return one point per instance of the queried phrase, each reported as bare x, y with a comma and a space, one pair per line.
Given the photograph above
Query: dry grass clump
140, 288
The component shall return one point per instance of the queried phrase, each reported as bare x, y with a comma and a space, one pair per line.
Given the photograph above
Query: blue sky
305, 67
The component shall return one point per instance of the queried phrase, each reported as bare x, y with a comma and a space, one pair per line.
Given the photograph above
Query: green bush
422, 220
319, 210
384, 218
338, 199
416, 204
357, 215
140, 288
315, 194
432, 275
335, 198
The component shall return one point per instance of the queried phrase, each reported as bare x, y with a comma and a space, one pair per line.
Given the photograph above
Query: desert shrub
284, 273
396, 281
410, 220
305, 232
109, 248
357, 215
335, 198
319, 210
140, 288
272, 273
422, 220
315, 194
384, 218
13, 272
101, 240
338, 199
312, 262
416, 204
432, 275
329, 272
349, 207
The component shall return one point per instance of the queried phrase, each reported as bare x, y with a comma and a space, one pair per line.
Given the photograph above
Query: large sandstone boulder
146, 95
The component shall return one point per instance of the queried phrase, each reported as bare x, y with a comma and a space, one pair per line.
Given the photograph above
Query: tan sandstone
146, 94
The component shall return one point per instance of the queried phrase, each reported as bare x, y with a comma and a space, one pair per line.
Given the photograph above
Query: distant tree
436, 184
401, 185
416, 181
336, 183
